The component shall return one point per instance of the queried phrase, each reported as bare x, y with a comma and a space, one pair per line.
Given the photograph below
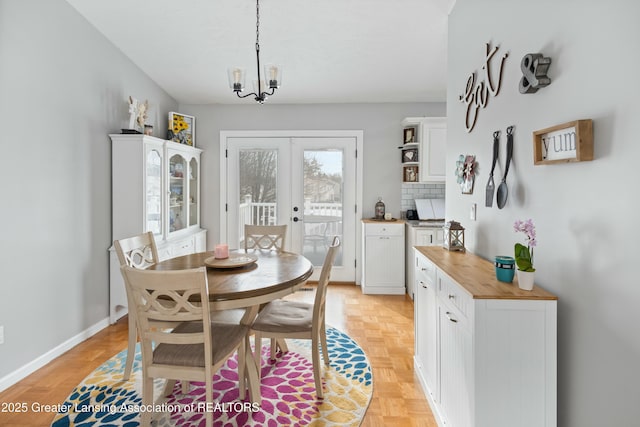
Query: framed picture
568, 142
410, 174
182, 129
410, 135
410, 155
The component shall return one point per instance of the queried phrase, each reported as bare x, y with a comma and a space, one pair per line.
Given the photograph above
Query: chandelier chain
257, 24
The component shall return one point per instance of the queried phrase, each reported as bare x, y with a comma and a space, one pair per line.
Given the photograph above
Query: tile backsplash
410, 192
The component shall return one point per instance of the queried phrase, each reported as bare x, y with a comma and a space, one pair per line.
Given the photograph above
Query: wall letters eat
476, 94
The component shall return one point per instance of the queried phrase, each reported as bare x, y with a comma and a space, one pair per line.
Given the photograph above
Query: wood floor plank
381, 324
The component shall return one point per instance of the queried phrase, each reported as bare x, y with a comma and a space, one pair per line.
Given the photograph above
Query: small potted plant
524, 254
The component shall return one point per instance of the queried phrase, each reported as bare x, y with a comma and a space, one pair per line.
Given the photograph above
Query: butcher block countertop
478, 277
383, 221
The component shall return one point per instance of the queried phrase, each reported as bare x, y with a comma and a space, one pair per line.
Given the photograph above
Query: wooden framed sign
568, 142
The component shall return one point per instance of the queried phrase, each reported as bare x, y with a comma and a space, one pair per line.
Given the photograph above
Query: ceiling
330, 51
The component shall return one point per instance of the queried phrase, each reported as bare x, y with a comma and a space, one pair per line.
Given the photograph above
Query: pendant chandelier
263, 88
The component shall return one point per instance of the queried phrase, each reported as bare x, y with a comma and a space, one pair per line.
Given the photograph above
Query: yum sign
476, 94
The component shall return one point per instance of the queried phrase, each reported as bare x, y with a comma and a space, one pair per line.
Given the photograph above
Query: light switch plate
1, 334
472, 213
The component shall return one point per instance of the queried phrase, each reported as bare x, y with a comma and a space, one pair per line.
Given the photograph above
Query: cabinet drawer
176, 248
184, 247
425, 269
384, 230
452, 294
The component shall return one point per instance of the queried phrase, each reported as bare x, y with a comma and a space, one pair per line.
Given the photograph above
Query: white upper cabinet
424, 149
433, 148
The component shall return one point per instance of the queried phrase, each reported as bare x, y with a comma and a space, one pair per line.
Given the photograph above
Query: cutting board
430, 208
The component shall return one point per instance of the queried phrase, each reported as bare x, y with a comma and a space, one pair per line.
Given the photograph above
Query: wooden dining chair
264, 236
195, 348
138, 252
282, 319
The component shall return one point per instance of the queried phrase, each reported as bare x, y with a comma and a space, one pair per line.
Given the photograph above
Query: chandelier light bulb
236, 78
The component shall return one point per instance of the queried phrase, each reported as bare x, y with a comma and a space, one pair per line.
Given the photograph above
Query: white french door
307, 182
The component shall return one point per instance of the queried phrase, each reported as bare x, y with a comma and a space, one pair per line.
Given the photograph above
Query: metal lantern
454, 236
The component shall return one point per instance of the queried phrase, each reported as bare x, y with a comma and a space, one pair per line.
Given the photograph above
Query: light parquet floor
381, 324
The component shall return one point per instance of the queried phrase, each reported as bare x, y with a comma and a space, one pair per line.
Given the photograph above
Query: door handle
448, 314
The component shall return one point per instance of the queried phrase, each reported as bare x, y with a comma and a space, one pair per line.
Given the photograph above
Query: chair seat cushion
284, 316
224, 337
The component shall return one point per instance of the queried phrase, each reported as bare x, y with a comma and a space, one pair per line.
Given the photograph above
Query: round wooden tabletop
273, 272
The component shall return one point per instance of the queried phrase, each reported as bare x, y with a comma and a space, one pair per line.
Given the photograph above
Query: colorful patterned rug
287, 387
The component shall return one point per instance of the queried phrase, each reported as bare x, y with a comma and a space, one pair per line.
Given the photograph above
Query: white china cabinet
155, 187
485, 351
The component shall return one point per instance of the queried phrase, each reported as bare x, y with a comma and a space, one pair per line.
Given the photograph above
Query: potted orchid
524, 254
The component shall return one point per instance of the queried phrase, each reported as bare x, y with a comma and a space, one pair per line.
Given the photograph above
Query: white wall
586, 212
63, 89
381, 157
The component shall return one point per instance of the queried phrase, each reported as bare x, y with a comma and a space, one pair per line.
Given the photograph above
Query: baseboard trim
26, 370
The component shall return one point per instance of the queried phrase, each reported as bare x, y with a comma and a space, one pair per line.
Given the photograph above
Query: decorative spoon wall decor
503, 191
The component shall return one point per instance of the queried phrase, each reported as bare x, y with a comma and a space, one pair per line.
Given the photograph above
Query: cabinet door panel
434, 150
178, 171
153, 190
381, 268
456, 377
427, 327
194, 192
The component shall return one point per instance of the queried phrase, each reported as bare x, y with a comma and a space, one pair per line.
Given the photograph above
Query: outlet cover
1, 334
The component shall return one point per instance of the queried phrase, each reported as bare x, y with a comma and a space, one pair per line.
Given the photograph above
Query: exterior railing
266, 214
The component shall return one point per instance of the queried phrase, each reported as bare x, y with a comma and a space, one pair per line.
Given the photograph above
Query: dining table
246, 280
264, 276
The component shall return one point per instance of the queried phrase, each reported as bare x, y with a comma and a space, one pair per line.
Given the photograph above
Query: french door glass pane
323, 173
258, 188
154, 191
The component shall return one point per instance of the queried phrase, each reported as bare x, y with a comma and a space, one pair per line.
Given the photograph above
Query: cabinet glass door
153, 191
194, 203
178, 219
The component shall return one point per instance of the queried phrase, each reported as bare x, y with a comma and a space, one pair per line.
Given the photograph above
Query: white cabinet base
494, 346
383, 257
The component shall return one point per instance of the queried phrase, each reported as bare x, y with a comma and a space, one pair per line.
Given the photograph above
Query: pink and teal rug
287, 387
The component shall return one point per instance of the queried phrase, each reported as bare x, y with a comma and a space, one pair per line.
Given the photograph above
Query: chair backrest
265, 236
323, 282
138, 251
162, 298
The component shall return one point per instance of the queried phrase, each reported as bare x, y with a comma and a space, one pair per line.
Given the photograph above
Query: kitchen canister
505, 268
